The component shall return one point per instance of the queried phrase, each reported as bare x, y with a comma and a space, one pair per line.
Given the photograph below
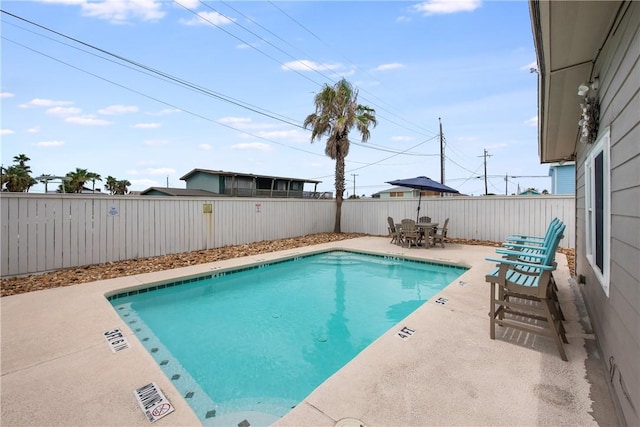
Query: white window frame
602, 145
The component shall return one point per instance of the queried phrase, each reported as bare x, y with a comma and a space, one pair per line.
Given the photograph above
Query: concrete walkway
57, 368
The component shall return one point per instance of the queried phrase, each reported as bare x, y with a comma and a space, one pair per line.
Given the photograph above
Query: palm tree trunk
339, 190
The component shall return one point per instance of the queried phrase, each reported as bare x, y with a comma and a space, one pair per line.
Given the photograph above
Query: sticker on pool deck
153, 402
441, 300
405, 333
116, 340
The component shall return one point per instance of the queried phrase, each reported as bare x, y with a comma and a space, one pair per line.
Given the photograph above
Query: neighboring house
184, 192
404, 192
238, 184
563, 178
593, 47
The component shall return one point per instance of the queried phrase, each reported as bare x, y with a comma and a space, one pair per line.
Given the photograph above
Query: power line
355, 65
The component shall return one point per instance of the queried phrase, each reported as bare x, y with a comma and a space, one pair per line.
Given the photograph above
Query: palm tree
122, 186
93, 177
111, 184
78, 179
17, 179
22, 159
115, 186
337, 112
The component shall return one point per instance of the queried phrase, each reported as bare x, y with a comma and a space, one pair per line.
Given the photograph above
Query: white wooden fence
47, 232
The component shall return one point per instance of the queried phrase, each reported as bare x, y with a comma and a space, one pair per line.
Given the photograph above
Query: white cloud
243, 123
49, 144
38, 102
64, 111
152, 171
494, 146
6, 95
87, 121
386, 67
161, 171
282, 134
164, 112
143, 183
67, 2
238, 121
34, 129
156, 142
403, 19
400, 138
533, 121
307, 65
113, 110
191, 4
121, 11
207, 18
6, 132
260, 146
146, 125
442, 7
204, 146
290, 135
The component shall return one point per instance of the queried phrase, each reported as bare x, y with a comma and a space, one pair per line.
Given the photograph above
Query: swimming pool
252, 343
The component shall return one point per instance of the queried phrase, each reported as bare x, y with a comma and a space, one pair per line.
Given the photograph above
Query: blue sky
238, 78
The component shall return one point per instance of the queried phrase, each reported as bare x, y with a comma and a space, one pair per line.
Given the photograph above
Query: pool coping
57, 368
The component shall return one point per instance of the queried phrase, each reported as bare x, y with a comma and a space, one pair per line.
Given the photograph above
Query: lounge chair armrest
520, 263
516, 245
524, 237
520, 253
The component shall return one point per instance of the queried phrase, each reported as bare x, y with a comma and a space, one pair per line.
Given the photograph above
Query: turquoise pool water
250, 345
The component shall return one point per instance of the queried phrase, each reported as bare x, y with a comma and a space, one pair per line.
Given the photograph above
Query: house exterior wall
616, 317
204, 181
563, 179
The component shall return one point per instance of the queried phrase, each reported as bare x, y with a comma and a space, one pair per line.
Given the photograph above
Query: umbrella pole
419, 200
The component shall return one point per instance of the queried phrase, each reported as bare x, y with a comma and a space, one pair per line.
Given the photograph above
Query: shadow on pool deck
57, 368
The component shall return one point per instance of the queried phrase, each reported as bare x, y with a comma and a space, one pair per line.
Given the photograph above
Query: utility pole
485, 155
506, 184
354, 183
441, 154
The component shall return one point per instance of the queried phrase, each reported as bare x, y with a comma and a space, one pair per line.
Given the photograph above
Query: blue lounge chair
525, 291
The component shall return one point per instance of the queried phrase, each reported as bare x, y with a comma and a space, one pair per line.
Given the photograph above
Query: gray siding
204, 181
616, 319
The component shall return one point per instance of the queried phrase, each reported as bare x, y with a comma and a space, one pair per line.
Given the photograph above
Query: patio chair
394, 232
533, 251
524, 296
411, 234
424, 219
525, 239
543, 255
440, 234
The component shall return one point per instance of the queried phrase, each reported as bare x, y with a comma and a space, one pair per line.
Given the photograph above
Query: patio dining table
427, 228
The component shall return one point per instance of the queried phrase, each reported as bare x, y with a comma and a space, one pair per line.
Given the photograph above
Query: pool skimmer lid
350, 422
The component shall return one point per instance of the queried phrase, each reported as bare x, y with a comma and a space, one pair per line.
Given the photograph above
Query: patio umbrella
422, 183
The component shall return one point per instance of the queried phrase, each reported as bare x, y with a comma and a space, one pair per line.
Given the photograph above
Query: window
397, 194
597, 209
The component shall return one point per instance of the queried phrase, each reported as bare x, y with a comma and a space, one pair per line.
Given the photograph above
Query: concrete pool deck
57, 368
